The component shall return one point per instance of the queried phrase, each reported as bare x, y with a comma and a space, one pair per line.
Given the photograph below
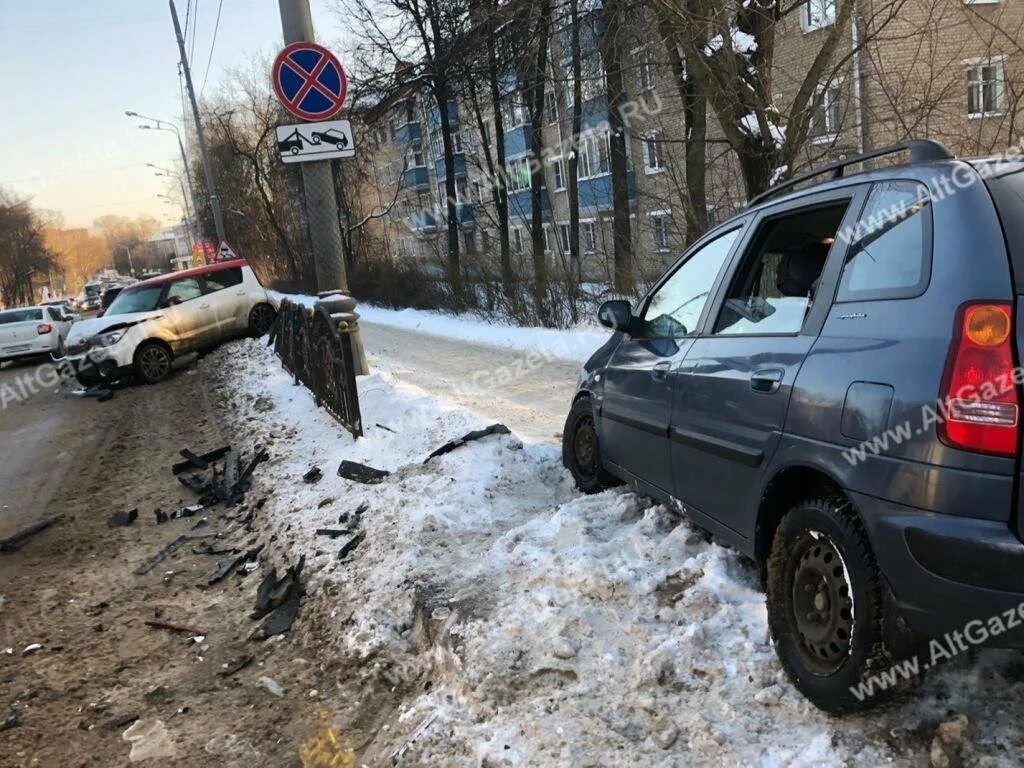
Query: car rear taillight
44, 328
979, 391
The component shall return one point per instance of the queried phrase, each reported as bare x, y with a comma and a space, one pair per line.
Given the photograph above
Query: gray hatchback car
830, 383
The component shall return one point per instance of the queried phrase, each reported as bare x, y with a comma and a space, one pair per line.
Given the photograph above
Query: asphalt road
528, 393
41, 433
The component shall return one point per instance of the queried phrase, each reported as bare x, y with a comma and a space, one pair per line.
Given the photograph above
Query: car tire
152, 362
821, 574
261, 320
581, 451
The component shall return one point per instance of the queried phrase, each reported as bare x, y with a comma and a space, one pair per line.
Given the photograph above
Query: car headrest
799, 271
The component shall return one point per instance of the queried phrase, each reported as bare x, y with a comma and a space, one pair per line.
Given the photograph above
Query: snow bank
523, 624
575, 344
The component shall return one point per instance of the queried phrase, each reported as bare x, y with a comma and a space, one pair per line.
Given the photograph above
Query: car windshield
136, 300
20, 316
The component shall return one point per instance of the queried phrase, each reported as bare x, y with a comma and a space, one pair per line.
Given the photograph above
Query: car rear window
20, 316
1008, 194
890, 253
224, 278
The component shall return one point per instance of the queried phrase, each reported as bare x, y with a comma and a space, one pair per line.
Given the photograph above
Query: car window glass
55, 314
137, 300
778, 277
675, 307
888, 255
20, 316
225, 278
184, 290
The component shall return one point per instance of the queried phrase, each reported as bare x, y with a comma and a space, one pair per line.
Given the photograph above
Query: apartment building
944, 69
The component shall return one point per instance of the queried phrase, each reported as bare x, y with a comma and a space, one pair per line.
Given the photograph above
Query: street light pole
131, 267
162, 125
218, 222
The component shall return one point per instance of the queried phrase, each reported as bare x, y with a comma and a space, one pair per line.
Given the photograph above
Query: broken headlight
108, 339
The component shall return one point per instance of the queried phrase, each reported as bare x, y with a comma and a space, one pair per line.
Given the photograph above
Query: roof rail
921, 151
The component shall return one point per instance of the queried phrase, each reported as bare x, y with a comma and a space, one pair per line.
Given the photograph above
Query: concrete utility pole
218, 221
317, 178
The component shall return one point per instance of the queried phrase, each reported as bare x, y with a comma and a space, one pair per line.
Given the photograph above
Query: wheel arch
786, 487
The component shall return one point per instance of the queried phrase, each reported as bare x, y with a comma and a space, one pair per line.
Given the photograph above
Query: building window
414, 156
563, 237
588, 236
550, 107
517, 239
985, 85
546, 231
559, 168
827, 117
659, 231
817, 14
654, 158
518, 175
594, 155
644, 74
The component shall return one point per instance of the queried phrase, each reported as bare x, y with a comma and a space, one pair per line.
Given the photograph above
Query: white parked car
152, 322
33, 331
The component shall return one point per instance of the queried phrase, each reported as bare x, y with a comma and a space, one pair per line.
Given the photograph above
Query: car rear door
732, 391
188, 316
228, 305
636, 405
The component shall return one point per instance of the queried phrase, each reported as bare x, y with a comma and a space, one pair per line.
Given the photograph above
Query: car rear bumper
44, 345
949, 573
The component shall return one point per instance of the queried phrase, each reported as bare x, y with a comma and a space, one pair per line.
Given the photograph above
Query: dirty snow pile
523, 624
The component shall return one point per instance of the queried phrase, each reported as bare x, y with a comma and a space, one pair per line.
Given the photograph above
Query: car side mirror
617, 315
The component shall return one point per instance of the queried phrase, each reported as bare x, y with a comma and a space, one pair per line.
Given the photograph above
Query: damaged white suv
153, 322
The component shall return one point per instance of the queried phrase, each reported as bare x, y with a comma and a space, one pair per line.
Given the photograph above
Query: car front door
636, 405
733, 389
187, 315
228, 302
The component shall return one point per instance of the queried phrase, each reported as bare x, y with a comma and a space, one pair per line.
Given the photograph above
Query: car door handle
204, 306
660, 370
768, 381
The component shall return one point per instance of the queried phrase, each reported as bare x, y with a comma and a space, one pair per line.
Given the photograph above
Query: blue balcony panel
596, 193
460, 166
415, 177
517, 141
407, 134
519, 204
466, 214
434, 116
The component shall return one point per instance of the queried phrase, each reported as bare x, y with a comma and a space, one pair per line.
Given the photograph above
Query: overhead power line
209, 60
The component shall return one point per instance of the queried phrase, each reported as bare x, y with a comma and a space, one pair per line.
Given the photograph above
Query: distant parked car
151, 323
330, 136
33, 331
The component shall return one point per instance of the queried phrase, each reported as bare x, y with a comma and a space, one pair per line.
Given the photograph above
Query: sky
71, 69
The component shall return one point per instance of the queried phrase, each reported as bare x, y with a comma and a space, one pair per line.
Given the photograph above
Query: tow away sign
315, 141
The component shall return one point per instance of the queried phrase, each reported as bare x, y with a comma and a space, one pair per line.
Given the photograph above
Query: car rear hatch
1005, 182
19, 330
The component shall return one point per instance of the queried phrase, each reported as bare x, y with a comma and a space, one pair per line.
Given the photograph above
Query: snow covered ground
577, 344
520, 623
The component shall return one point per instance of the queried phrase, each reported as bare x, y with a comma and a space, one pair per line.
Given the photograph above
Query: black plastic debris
236, 665
349, 546
190, 511
195, 483
14, 542
168, 550
161, 516
494, 429
203, 462
382, 426
101, 393
273, 592
13, 720
361, 473
225, 569
122, 519
313, 476
280, 620
332, 533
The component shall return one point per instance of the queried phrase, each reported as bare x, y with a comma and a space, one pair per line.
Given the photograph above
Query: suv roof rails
921, 151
